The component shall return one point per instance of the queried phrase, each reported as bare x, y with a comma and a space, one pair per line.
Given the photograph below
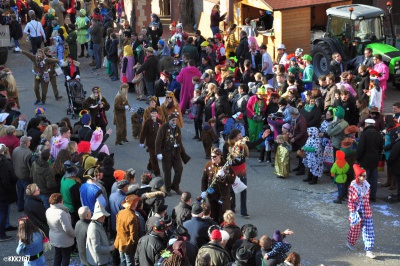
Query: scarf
362, 189
309, 107
71, 68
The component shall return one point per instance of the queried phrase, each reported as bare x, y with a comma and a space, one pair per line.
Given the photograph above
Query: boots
338, 201
309, 177
301, 167
313, 180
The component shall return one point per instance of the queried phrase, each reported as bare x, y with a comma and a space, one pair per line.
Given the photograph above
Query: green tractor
351, 29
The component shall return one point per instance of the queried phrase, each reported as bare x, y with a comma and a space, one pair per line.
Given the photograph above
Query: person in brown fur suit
153, 104
148, 137
137, 121
121, 105
171, 105
207, 136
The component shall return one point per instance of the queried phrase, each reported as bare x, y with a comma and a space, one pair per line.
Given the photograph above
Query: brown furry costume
136, 121
120, 117
147, 112
167, 110
148, 136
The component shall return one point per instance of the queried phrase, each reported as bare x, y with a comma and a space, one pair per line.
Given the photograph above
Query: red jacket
11, 142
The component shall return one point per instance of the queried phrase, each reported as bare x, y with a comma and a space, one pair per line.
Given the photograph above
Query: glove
203, 195
159, 157
141, 145
221, 172
127, 107
131, 110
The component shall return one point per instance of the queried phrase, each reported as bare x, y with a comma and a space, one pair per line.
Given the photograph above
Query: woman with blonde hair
215, 19
47, 133
72, 147
171, 105
121, 105
233, 230
231, 42
7, 79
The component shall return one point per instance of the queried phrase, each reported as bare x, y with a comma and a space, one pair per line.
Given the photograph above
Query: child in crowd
138, 82
374, 93
338, 172
266, 146
285, 131
175, 86
208, 136
234, 122
347, 145
196, 112
60, 47
314, 156
196, 82
279, 248
282, 160
137, 121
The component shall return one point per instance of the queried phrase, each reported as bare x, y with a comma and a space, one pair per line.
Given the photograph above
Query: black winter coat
8, 180
198, 231
394, 159
222, 106
370, 146
313, 117
362, 85
208, 108
150, 68
240, 103
350, 110
112, 52
336, 69
149, 249
182, 213
242, 48
36, 212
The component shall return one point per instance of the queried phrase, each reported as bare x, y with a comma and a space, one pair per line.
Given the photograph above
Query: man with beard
148, 136
170, 151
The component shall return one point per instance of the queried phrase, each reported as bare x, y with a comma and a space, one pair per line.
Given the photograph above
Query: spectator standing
116, 200
62, 233
308, 73
383, 76
30, 242
219, 256
20, 161
298, 136
35, 209
36, 33
370, 146
242, 49
43, 175
150, 71
266, 65
10, 140
197, 227
336, 67
81, 229
97, 244
96, 32
8, 179
82, 26
393, 163
112, 56
215, 19
182, 212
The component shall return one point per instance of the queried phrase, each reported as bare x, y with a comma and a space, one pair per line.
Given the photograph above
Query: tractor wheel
322, 56
3, 55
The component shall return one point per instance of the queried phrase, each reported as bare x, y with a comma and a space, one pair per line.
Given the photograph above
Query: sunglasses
169, 97
215, 156
364, 175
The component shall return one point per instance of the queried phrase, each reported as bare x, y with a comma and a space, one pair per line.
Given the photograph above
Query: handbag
328, 154
105, 60
58, 71
45, 242
238, 186
381, 163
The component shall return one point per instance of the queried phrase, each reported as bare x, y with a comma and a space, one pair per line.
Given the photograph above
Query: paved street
320, 226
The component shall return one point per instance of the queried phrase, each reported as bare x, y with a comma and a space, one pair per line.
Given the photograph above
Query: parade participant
185, 78
282, 160
314, 155
383, 77
170, 150
97, 106
218, 177
308, 73
41, 64
256, 107
281, 55
70, 68
176, 39
52, 72
169, 106
82, 26
238, 148
121, 105
36, 33
360, 212
148, 137
153, 104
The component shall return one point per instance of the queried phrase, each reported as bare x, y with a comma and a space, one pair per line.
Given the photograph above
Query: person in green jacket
338, 172
69, 190
308, 73
71, 41
82, 26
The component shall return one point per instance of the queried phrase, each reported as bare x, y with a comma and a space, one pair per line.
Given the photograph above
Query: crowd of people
62, 174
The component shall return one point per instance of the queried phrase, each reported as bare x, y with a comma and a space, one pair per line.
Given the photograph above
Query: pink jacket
250, 106
59, 144
384, 71
185, 78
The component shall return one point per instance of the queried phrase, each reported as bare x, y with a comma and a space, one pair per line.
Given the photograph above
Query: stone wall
140, 16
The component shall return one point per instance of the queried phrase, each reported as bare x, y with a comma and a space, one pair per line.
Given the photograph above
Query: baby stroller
76, 97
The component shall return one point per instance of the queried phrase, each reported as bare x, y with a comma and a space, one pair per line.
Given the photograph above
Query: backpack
240, 126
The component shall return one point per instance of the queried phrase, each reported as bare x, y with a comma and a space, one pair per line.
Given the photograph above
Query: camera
220, 202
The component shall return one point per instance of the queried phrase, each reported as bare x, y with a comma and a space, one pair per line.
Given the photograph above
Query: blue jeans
97, 54
21, 187
114, 67
126, 259
215, 30
150, 88
243, 198
8, 216
3, 217
45, 199
340, 188
372, 178
16, 43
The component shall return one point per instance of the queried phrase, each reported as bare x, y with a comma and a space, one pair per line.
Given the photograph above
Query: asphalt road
320, 227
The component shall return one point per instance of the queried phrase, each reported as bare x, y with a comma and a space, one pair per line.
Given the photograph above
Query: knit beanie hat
216, 235
340, 161
339, 112
278, 236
